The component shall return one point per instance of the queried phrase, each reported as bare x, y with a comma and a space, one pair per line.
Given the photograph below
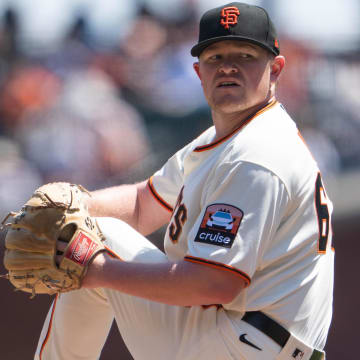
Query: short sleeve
243, 207
166, 183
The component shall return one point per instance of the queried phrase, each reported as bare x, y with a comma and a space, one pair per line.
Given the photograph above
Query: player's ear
197, 69
277, 64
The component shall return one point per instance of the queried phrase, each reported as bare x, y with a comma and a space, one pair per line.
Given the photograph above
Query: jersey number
322, 214
179, 219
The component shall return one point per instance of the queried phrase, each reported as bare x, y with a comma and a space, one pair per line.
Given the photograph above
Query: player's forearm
119, 202
182, 283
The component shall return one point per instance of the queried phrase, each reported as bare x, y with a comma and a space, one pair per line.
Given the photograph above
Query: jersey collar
244, 123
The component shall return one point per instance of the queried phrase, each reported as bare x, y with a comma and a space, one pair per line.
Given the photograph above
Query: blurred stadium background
102, 92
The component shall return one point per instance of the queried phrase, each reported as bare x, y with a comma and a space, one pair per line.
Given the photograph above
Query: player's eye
246, 56
215, 57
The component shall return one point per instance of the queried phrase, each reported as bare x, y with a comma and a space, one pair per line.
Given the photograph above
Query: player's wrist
95, 276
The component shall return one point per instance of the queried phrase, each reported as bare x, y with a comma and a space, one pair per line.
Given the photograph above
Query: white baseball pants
78, 322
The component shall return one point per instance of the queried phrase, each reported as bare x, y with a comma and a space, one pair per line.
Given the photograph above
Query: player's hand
60, 248
92, 278
51, 241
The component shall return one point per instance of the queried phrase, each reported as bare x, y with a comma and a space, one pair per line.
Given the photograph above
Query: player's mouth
227, 84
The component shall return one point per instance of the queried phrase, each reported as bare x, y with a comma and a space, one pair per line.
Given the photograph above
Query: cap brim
198, 48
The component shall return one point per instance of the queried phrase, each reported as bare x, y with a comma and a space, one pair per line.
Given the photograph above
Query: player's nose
228, 67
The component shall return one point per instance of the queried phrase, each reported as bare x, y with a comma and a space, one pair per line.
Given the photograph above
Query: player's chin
227, 101
228, 105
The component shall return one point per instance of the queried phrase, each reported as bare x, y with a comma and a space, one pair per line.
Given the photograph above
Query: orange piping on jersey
307, 146
245, 122
218, 265
112, 253
157, 197
49, 328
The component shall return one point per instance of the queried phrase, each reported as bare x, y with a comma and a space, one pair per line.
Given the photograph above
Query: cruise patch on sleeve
219, 225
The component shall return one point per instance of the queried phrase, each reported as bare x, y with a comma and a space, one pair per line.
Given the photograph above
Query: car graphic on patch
219, 225
220, 220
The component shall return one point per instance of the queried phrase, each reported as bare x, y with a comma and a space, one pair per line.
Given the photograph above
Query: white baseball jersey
254, 203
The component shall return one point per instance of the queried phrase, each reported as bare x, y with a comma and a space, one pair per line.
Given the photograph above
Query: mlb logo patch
219, 225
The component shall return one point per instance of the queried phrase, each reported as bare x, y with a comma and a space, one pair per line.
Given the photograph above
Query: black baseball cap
237, 21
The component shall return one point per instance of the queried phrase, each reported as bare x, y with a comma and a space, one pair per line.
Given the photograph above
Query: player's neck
226, 123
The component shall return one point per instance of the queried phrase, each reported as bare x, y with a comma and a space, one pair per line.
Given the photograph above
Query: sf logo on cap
229, 16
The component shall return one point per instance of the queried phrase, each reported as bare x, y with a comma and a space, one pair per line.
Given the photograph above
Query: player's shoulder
178, 158
268, 136
274, 123
272, 141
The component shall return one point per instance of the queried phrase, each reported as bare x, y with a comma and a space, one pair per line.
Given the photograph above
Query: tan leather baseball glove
55, 211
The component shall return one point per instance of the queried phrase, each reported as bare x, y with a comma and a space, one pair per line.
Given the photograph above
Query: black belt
273, 330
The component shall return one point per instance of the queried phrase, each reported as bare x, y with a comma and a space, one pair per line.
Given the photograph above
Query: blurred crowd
102, 92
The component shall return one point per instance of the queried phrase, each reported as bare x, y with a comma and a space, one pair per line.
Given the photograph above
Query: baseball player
248, 266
